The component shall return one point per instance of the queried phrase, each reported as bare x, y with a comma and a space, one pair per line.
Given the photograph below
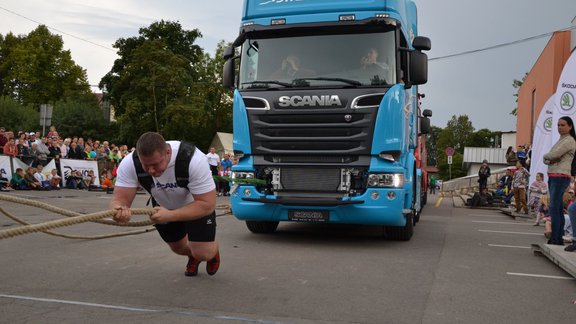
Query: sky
478, 85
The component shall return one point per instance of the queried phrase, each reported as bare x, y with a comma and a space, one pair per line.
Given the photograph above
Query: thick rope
66, 212
67, 222
77, 237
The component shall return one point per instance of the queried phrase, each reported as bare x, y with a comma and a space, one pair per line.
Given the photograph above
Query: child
54, 179
106, 179
543, 211
537, 189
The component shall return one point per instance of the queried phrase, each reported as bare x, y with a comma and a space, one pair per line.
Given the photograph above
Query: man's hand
161, 216
123, 214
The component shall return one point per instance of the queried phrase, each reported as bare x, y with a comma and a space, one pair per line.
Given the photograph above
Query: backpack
185, 153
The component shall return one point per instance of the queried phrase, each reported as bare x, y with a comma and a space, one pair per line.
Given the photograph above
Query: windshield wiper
348, 81
265, 83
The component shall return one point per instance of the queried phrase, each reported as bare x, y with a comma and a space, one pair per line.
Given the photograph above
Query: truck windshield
319, 61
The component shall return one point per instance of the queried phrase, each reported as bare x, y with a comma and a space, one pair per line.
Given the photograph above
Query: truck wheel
403, 233
261, 227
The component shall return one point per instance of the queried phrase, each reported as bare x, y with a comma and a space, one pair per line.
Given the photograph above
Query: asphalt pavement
461, 266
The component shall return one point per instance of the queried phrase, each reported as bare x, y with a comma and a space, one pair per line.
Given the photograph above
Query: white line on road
508, 223
507, 232
510, 246
134, 309
538, 276
488, 215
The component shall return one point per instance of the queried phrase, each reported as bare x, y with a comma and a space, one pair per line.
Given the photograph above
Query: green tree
173, 39
455, 171
15, 116
517, 84
35, 69
81, 116
432, 145
456, 134
482, 138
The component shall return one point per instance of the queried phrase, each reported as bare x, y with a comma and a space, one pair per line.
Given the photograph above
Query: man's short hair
150, 143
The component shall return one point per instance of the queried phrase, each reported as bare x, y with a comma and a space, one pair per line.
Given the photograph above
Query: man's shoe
213, 265
192, 267
570, 248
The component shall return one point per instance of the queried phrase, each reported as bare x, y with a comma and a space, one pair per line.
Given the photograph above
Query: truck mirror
228, 52
418, 68
422, 43
427, 113
424, 125
229, 74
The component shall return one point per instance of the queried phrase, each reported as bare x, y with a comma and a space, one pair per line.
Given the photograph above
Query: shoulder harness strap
185, 153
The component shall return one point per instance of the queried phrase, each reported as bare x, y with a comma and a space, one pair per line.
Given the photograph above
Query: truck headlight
239, 176
386, 180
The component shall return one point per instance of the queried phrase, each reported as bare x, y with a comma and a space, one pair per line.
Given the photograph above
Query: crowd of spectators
37, 151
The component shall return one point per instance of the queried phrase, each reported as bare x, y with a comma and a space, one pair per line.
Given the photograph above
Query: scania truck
325, 113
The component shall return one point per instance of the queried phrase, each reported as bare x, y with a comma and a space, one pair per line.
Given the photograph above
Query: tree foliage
164, 82
81, 116
35, 69
517, 84
15, 116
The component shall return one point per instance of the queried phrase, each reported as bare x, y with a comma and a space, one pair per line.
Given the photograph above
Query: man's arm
121, 202
203, 205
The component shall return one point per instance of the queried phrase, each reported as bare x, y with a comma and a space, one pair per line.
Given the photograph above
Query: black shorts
199, 230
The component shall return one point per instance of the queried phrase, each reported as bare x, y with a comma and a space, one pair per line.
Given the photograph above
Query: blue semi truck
325, 114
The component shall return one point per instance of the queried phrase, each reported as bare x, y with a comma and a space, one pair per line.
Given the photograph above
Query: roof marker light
382, 15
248, 23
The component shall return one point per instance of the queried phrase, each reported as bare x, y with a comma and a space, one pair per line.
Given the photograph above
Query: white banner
542, 140
5, 168
68, 165
565, 94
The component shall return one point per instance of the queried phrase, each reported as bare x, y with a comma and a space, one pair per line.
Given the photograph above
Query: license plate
312, 216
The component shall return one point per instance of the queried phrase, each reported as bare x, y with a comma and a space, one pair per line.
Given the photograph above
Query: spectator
106, 180
31, 181
505, 187
18, 180
10, 148
54, 148
23, 139
31, 139
559, 161
89, 180
3, 139
23, 153
226, 166
54, 179
483, 175
74, 180
519, 184
482, 199
75, 152
81, 143
64, 147
543, 212
511, 157
537, 189
53, 132
44, 151
34, 153
521, 155
40, 177
214, 162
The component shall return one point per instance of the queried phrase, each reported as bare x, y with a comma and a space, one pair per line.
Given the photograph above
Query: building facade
541, 83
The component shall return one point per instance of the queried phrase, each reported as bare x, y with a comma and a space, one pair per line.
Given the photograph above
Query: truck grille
310, 179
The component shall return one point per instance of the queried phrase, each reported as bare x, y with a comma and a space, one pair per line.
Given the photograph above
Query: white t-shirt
213, 159
165, 189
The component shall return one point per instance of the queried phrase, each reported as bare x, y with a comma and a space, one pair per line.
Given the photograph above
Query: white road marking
135, 309
510, 246
538, 276
508, 232
507, 223
488, 215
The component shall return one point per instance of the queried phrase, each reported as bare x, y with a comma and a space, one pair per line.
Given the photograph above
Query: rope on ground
67, 222
96, 237
66, 212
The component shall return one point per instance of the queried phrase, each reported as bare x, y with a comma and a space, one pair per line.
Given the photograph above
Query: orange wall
543, 79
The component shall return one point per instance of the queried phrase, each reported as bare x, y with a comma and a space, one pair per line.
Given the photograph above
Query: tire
403, 233
262, 227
